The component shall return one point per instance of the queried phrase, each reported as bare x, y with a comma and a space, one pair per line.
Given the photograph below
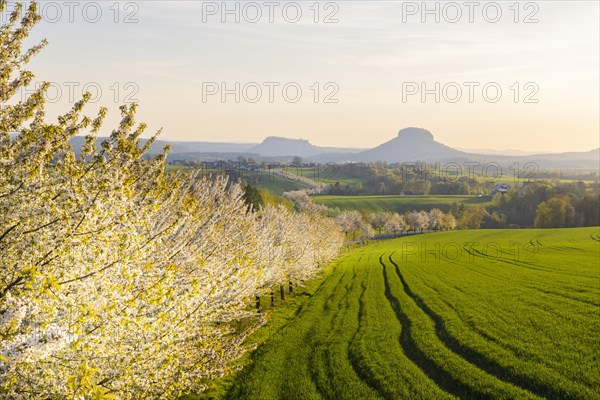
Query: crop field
276, 184
264, 180
510, 314
328, 174
398, 203
331, 173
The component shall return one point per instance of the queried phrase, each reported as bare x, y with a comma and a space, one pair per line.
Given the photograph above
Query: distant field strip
511, 314
399, 203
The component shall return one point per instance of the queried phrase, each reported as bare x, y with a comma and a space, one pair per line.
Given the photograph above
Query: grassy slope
392, 321
398, 203
328, 174
264, 180
276, 184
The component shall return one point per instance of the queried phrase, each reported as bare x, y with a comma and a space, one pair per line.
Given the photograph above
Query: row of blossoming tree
359, 226
117, 280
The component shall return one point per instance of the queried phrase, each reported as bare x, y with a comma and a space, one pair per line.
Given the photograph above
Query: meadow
463, 314
399, 204
275, 184
263, 180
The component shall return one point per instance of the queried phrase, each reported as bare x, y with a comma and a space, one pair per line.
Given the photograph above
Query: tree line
380, 178
546, 205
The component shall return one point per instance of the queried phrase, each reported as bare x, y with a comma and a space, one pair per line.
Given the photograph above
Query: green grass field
398, 203
264, 180
276, 184
332, 173
328, 174
511, 314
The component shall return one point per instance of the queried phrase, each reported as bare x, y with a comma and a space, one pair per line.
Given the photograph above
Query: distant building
501, 188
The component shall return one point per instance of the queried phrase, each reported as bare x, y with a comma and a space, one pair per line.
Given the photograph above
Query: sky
495, 75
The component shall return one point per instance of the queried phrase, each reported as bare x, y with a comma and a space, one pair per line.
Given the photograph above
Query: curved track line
475, 358
365, 375
339, 315
313, 355
437, 374
311, 332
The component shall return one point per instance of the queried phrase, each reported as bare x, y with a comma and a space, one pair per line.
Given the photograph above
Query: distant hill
505, 152
573, 155
584, 159
417, 144
411, 144
280, 146
182, 147
270, 149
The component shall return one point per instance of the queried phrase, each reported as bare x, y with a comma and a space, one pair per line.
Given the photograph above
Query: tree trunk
281, 292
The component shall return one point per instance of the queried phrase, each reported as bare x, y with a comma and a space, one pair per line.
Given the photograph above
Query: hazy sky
373, 57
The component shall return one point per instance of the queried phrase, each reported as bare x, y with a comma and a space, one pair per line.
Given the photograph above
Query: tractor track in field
313, 332
563, 296
475, 329
363, 373
516, 351
535, 243
520, 264
515, 263
328, 300
475, 358
437, 374
325, 353
328, 358
555, 292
